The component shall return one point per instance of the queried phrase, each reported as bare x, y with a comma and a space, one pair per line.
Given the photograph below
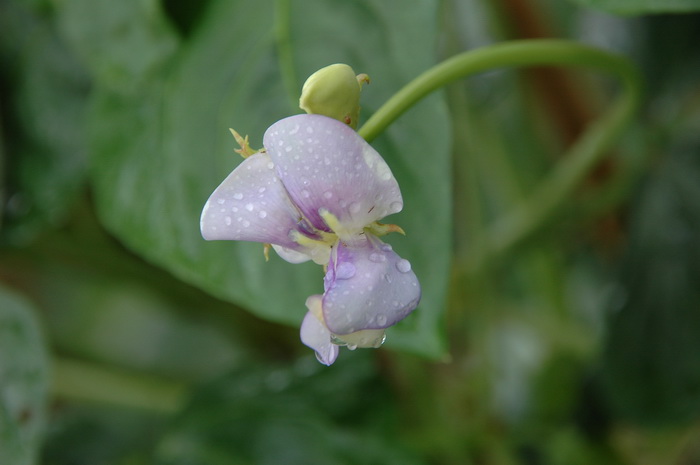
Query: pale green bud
334, 91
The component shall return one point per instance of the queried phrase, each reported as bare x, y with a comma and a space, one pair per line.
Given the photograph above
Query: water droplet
404, 266
352, 346
245, 223
388, 278
238, 196
309, 129
381, 320
305, 194
355, 207
327, 161
221, 201
295, 130
395, 207
249, 207
345, 270
262, 214
386, 248
288, 148
270, 165
328, 194
261, 190
377, 257
234, 209
228, 221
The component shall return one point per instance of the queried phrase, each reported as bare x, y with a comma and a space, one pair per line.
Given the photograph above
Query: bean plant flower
317, 192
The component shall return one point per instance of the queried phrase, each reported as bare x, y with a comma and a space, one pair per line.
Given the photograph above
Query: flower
316, 192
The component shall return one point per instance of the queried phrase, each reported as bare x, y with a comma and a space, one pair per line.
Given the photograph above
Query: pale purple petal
315, 335
251, 205
368, 286
324, 163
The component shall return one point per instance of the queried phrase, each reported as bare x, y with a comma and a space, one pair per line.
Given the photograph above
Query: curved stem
554, 191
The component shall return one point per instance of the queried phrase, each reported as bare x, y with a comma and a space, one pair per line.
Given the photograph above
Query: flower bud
334, 91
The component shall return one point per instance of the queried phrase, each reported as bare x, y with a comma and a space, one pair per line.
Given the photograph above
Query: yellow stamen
266, 251
381, 229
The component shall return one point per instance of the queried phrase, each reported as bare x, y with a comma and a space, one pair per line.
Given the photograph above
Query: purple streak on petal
251, 205
381, 290
323, 163
315, 335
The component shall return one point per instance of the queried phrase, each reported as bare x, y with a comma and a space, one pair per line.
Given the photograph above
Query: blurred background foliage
127, 339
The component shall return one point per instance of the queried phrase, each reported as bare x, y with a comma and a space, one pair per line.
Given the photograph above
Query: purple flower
317, 192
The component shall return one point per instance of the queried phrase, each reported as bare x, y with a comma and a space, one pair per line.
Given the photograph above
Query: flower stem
555, 190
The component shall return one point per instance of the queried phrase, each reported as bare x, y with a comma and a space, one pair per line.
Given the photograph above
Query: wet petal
368, 286
315, 335
251, 205
324, 164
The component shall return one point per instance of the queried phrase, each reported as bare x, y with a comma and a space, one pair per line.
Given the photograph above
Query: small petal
368, 286
251, 205
324, 164
314, 333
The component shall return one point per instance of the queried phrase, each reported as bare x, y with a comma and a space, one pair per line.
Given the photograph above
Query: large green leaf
640, 7
23, 381
45, 104
160, 149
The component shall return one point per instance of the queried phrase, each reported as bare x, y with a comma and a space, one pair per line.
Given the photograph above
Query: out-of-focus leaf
303, 414
640, 7
23, 381
652, 356
161, 149
123, 44
46, 95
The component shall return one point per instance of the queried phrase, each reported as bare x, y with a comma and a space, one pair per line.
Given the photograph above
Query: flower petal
368, 286
324, 164
251, 205
314, 333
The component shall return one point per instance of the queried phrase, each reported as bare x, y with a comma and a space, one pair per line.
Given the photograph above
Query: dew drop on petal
395, 207
305, 194
221, 201
352, 346
403, 265
238, 196
262, 214
261, 190
270, 165
388, 278
328, 194
377, 257
228, 221
249, 207
345, 270
355, 207
381, 320
246, 223
288, 148
386, 248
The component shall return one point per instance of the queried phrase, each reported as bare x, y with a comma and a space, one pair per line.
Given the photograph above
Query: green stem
555, 190
89, 382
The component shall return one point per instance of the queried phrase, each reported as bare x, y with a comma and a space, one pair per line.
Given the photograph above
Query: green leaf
23, 381
47, 93
161, 149
652, 356
303, 414
641, 7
